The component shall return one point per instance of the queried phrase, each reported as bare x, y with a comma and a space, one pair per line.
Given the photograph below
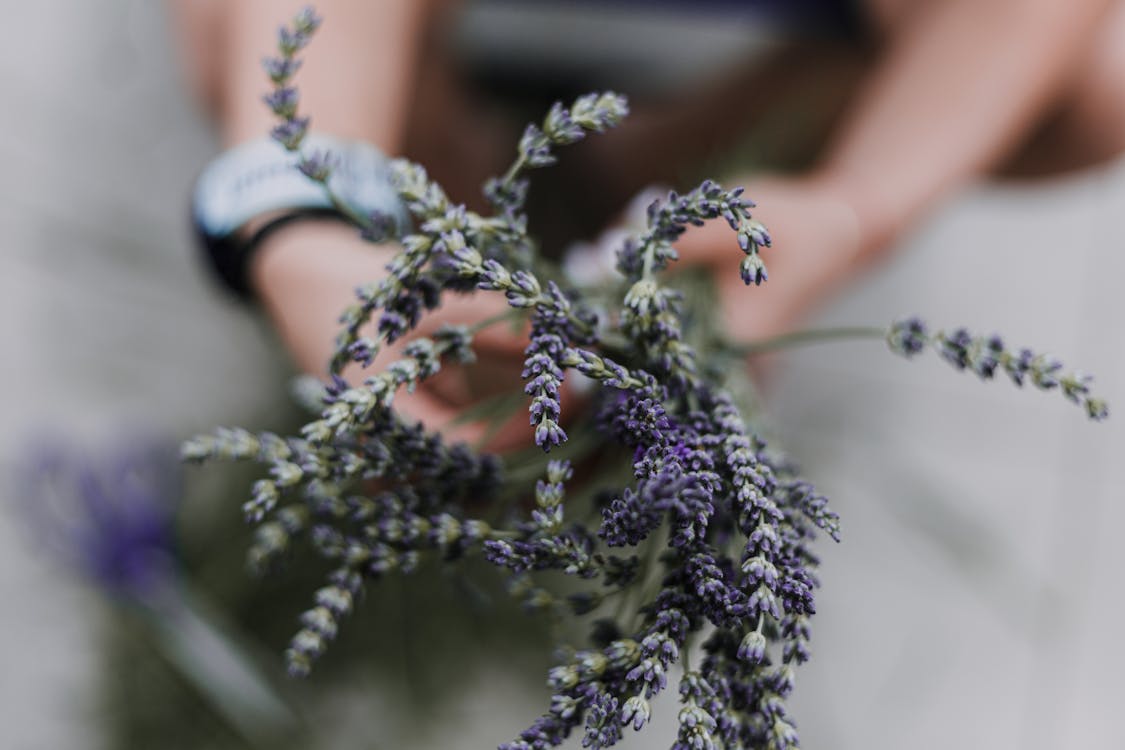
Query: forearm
355, 80
962, 82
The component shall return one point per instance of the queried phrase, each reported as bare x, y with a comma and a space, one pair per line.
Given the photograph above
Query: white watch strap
261, 176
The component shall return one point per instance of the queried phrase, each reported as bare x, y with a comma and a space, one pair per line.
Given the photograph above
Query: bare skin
924, 122
957, 87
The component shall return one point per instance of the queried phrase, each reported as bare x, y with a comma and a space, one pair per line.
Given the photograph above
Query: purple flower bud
1097, 409
908, 337
291, 41
280, 69
636, 712
307, 21
282, 101
317, 166
752, 650
757, 233
752, 270
291, 133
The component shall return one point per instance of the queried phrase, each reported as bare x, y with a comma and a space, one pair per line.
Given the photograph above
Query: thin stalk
800, 338
344, 208
515, 169
513, 314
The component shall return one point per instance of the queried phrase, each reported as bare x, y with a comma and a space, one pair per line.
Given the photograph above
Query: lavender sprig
987, 355
669, 219
291, 131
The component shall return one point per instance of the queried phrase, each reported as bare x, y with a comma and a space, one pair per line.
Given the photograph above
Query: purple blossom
507, 196
753, 648
603, 722
291, 133
1019, 365
317, 165
535, 147
753, 270
280, 69
908, 337
282, 101
560, 127
380, 227
109, 515
986, 355
630, 519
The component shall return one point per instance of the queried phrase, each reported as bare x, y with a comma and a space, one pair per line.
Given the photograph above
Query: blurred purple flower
106, 514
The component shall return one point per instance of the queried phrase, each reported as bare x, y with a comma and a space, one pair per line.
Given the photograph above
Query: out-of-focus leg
1085, 126
1088, 124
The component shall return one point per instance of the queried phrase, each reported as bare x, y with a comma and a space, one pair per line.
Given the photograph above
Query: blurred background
975, 601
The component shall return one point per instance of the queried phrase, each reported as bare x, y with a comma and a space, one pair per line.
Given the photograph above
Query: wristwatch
261, 178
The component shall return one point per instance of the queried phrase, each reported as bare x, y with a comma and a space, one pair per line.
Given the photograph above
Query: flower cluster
703, 536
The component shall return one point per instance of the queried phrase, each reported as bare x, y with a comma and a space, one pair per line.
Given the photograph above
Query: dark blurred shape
107, 514
830, 16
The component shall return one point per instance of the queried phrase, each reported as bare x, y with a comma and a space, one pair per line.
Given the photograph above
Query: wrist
258, 187
293, 257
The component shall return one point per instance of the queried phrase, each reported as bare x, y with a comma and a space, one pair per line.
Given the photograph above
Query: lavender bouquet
692, 538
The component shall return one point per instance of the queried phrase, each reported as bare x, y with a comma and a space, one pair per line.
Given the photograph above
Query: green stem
646, 270
622, 603
528, 465
344, 208
514, 170
800, 338
338, 203
512, 314
646, 584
